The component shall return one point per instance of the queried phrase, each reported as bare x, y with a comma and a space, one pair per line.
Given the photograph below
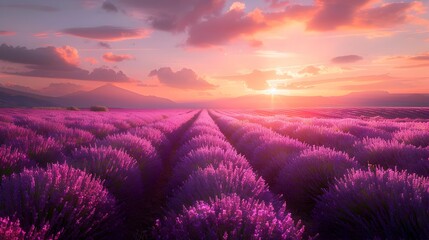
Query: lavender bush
141, 150
391, 154
379, 204
39, 149
211, 182
120, 172
229, 217
203, 157
11, 161
69, 200
305, 178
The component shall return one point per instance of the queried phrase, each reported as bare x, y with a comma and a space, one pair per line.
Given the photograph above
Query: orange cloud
110, 57
68, 54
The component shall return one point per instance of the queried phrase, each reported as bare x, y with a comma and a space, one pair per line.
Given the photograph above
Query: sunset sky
189, 50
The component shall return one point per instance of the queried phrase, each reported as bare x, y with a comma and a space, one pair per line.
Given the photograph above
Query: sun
272, 91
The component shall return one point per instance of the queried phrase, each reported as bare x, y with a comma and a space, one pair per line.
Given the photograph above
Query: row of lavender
79, 184
336, 195
386, 143
214, 193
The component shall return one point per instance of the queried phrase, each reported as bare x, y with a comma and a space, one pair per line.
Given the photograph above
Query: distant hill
13, 98
107, 95
114, 97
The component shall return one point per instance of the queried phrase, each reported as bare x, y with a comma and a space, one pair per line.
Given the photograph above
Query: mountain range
114, 97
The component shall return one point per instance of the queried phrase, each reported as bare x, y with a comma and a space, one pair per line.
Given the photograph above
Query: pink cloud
311, 70
52, 62
107, 33
387, 15
7, 33
237, 23
41, 35
361, 14
110, 57
173, 15
184, 79
91, 60
346, 59
421, 57
335, 13
257, 79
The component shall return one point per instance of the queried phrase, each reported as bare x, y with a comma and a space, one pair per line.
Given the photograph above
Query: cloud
257, 79
91, 60
388, 15
107, 33
52, 62
101, 74
421, 57
109, 7
415, 61
104, 45
41, 58
346, 59
110, 57
173, 15
29, 6
41, 35
361, 14
311, 70
6, 33
237, 23
184, 79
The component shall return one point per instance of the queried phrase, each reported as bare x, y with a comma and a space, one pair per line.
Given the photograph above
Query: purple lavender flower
12, 160
229, 217
416, 137
120, 172
201, 158
211, 182
379, 204
391, 154
142, 151
11, 230
69, 200
305, 178
202, 141
39, 149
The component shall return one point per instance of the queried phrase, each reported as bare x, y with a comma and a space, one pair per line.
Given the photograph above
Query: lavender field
210, 174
